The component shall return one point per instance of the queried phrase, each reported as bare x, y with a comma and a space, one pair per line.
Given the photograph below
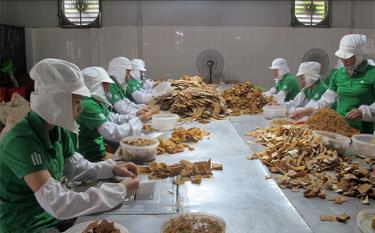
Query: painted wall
249, 34
276, 13
247, 51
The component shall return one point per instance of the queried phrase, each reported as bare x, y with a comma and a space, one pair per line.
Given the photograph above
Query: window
80, 13
311, 13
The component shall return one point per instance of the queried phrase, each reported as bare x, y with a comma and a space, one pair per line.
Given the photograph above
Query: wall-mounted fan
318, 55
210, 63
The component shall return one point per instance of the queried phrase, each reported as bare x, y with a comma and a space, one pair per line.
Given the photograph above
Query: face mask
137, 76
56, 109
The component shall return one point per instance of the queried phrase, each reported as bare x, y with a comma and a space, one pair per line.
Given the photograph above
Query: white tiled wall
247, 51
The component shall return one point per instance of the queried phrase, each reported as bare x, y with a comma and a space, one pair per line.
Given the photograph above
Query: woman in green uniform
286, 86
352, 86
96, 120
312, 87
119, 70
38, 151
135, 90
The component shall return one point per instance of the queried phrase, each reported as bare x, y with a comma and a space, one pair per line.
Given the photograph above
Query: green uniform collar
362, 68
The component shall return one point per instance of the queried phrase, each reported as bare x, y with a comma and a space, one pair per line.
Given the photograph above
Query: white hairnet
350, 45
55, 82
281, 65
311, 72
94, 77
117, 68
138, 66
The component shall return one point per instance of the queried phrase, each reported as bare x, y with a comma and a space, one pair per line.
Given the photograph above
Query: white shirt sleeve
148, 85
141, 97
270, 92
63, 204
125, 106
327, 99
77, 168
298, 101
368, 112
280, 97
114, 132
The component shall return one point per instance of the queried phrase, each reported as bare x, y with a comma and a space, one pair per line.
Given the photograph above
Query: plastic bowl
274, 111
162, 89
164, 122
334, 141
138, 154
364, 145
196, 215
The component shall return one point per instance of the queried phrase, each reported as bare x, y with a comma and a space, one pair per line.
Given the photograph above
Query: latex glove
368, 112
114, 132
77, 168
354, 114
63, 204
126, 170
120, 118
125, 106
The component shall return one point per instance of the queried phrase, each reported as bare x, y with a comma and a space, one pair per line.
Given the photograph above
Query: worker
312, 87
136, 90
286, 85
37, 152
96, 120
119, 70
352, 86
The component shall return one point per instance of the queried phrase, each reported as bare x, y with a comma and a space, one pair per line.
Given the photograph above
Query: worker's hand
126, 170
154, 109
132, 186
354, 114
145, 117
301, 113
142, 111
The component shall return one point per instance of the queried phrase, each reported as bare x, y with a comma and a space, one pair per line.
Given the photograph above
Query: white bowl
334, 141
80, 227
364, 145
274, 111
197, 215
138, 153
164, 122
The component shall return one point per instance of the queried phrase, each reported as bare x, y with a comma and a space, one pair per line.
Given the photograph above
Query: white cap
117, 68
138, 65
93, 76
55, 82
281, 65
310, 67
278, 63
350, 45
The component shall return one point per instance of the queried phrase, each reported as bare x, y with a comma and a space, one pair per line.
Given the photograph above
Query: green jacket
352, 92
25, 149
91, 142
289, 84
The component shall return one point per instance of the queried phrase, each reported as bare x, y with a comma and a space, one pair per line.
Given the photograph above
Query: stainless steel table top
239, 194
310, 209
